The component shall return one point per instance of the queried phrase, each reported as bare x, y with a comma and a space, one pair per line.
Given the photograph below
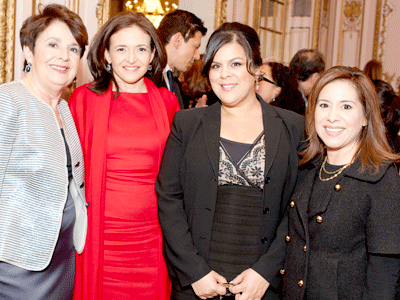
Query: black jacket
188, 182
359, 215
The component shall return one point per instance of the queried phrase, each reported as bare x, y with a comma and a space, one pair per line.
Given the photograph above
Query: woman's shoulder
170, 99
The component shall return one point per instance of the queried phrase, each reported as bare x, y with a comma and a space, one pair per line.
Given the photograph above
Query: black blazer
188, 181
359, 214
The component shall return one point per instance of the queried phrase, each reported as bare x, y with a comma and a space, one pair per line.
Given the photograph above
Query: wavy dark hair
373, 149
290, 96
101, 42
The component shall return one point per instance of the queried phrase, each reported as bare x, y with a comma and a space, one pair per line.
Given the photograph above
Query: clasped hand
248, 285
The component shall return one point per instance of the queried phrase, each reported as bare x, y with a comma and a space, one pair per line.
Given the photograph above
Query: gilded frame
220, 13
7, 39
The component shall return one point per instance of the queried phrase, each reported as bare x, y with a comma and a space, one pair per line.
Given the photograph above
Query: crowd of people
279, 182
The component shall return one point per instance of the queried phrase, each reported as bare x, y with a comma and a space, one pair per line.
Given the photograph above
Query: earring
108, 67
28, 67
273, 99
149, 68
75, 79
256, 85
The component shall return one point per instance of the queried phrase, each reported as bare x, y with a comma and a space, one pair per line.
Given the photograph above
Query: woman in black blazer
344, 218
226, 177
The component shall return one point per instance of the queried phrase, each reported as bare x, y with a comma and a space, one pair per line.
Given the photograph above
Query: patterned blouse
248, 171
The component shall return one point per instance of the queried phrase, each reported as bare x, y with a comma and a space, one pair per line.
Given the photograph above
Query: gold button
305, 248
292, 204
282, 271
300, 283
338, 187
287, 238
319, 219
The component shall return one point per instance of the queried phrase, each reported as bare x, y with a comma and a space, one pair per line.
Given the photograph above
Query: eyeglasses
267, 80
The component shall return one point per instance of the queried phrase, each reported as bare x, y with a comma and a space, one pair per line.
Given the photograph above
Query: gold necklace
336, 173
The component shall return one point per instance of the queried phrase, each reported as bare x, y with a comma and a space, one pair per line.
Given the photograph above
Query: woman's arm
8, 132
383, 272
189, 267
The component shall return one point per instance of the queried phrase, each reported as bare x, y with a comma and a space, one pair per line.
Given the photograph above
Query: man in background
306, 66
181, 33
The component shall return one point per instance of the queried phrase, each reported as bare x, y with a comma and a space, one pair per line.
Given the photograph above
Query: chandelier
154, 10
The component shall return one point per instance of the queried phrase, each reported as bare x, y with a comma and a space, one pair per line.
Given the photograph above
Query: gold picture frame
7, 39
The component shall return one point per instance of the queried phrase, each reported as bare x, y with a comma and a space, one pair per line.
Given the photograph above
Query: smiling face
339, 120
130, 55
55, 58
229, 77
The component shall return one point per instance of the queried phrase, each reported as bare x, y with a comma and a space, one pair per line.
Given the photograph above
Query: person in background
42, 196
344, 218
195, 85
306, 66
279, 88
227, 174
181, 33
123, 120
373, 69
390, 110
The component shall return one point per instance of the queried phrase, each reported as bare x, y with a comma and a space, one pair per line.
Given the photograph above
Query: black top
383, 270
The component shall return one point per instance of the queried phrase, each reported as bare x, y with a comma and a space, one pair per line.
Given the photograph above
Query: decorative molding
256, 14
338, 62
7, 39
353, 11
220, 13
102, 12
377, 26
387, 10
74, 6
317, 19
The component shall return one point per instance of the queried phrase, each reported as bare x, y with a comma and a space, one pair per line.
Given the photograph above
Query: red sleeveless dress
134, 267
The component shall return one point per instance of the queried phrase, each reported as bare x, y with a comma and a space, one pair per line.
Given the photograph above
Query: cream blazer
34, 178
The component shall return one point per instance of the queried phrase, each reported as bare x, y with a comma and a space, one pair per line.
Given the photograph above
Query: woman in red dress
123, 121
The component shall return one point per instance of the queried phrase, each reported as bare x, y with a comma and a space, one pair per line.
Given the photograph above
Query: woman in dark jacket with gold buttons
344, 218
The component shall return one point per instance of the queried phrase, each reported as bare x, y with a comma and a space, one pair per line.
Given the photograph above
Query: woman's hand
249, 285
202, 102
209, 286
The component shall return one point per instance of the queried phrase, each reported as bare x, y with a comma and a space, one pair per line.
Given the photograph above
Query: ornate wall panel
386, 46
351, 32
7, 39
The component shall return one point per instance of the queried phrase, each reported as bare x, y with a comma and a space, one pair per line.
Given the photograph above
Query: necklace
336, 173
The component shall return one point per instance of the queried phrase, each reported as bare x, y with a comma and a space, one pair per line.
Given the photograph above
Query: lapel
211, 121
177, 91
303, 194
272, 130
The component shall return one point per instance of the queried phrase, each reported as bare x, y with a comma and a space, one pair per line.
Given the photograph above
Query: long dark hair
101, 42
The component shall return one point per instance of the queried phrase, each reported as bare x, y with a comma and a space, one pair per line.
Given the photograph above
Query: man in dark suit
181, 33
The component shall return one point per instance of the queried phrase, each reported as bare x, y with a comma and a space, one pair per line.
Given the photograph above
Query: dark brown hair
305, 63
35, 25
195, 84
222, 37
101, 42
180, 21
290, 96
373, 148
373, 69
